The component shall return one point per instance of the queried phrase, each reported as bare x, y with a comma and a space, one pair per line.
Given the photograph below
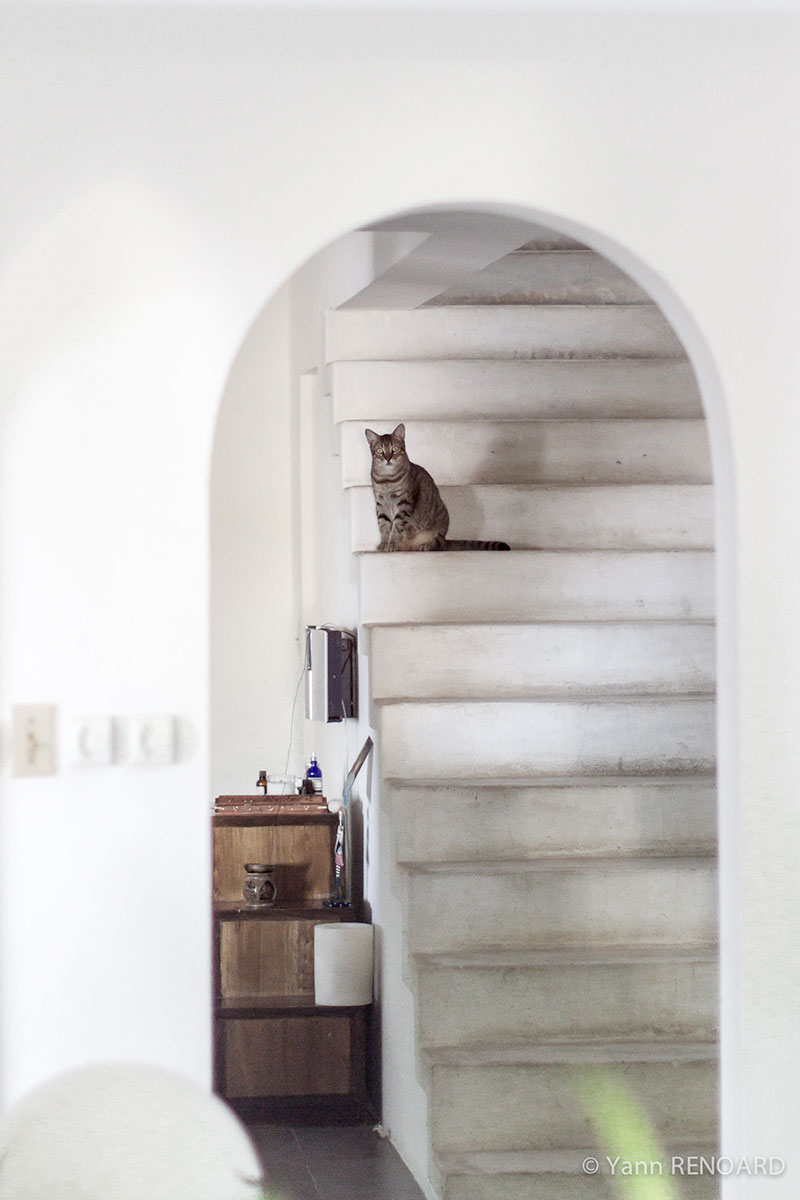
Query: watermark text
688, 1164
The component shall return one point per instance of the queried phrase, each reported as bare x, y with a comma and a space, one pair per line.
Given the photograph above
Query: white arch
707, 375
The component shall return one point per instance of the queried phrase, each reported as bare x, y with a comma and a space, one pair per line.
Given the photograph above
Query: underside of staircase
545, 716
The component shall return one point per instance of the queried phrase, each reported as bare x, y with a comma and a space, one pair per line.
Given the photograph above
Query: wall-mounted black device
331, 674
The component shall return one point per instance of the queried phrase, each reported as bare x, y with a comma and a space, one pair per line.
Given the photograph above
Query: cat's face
388, 449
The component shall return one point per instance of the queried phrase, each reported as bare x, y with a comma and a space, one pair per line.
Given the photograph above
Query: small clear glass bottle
259, 888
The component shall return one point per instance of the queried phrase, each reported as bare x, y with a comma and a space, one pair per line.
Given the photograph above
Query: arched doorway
487, 675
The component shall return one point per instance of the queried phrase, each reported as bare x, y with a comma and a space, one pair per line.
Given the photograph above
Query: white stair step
527, 585
460, 823
555, 452
513, 389
561, 864
606, 955
502, 331
436, 263
545, 277
584, 903
579, 1052
558, 1174
463, 1006
475, 1109
641, 517
434, 222
542, 238
478, 740
560, 1187
493, 662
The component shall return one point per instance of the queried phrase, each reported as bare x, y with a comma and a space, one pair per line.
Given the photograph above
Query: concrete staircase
545, 716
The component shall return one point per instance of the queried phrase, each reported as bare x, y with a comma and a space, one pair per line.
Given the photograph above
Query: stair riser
515, 390
508, 1108
544, 452
431, 265
546, 277
518, 331
442, 824
563, 1186
484, 741
582, 518
595, 904
512, 661
579, 586
468, 1005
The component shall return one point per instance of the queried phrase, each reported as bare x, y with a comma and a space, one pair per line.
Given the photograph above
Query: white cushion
124, 1132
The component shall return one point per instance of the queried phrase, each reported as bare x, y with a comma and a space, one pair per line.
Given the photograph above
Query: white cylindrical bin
343, 964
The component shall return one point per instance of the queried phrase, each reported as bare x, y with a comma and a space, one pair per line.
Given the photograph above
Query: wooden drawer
268, 958
316, 1054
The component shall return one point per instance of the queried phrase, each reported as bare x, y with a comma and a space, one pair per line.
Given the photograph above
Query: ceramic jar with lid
258, 888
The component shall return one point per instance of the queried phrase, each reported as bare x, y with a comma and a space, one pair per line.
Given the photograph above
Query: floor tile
331, 1162
275, 1143
365, 1183
387, 1172
297, 1185
331, 1142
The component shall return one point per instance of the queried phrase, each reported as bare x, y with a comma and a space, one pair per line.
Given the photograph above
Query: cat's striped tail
476, 546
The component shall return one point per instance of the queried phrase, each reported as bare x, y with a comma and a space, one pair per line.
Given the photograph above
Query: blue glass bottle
315, 775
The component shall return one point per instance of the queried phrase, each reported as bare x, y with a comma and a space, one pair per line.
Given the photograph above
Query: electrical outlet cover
152, 740
90, 742
33, 739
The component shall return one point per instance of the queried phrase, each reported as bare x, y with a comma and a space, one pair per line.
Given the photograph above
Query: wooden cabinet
275, 1050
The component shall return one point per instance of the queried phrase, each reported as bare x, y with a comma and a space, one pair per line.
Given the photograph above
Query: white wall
104, 610
164, 173
254, 650
281, 559
279, 521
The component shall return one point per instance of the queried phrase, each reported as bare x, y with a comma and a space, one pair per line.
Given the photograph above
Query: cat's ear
371, 436
400, 433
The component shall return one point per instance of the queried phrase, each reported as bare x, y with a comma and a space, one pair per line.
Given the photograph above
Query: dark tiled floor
331, 1162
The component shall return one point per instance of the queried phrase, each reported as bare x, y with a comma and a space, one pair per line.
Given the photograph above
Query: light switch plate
90, 742
152, 740
33, 740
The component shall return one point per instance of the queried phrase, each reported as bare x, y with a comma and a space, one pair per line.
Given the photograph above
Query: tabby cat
411, 512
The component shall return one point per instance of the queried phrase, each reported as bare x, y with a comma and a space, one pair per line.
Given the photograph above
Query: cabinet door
287, 1056
266, 958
